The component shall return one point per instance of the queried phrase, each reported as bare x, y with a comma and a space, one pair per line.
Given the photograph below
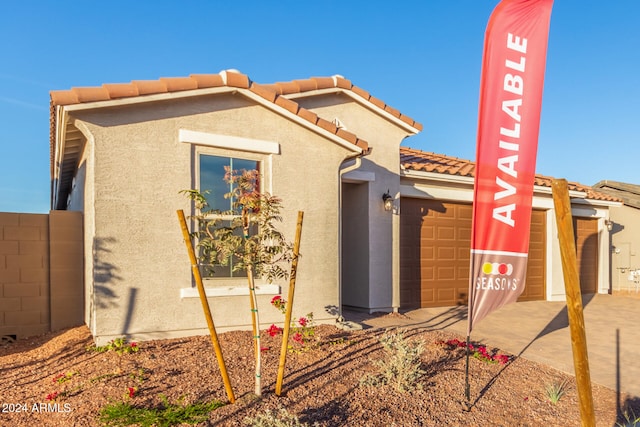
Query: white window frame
231, 147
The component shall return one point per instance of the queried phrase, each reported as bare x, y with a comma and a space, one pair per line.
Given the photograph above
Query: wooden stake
205, 305
287, 318
562, 205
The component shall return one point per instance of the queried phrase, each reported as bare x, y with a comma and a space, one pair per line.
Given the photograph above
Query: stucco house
624, 235
121, 153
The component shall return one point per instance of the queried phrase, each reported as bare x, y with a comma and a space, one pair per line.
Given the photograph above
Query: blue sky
421, 57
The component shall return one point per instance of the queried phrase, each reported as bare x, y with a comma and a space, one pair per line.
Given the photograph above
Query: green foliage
168, 414
270, 419
630, 420
63, 378
119, 345
247, 234
401, 365
555, 391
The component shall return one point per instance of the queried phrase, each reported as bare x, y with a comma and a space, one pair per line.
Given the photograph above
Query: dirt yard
322, 385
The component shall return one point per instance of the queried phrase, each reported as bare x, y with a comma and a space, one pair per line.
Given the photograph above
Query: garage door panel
586, 241
446, 233
446, 295
446, 254
446, 273
445, 240
464, 234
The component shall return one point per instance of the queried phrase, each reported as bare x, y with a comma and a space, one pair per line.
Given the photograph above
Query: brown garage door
586, 233
435, 239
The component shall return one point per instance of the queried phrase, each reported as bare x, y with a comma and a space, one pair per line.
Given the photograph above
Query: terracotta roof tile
63, 97
326, 125
343, 83
288, 87
392, 111
207, 80
121, 90
230, 78
175, 84
287, 104
378, 103
272, 86
308, 115
150, 87
91, 94
346, 135
323, 82
236, 79
361, 92
306, 85
418, 160
263, 91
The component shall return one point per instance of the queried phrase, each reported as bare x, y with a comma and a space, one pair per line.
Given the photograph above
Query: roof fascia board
593, 202
359, 100
149, 98
433, 176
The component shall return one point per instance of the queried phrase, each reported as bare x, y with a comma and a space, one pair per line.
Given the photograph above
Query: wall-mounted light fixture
608, 224
387, 199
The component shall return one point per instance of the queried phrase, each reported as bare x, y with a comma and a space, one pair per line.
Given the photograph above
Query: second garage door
435, 239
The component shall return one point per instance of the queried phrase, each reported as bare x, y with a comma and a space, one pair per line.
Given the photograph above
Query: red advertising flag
515, 49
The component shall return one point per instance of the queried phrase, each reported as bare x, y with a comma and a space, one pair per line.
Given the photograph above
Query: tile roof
629, 193
418, 160
275, 93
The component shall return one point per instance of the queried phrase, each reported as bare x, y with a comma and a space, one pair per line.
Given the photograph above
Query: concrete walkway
539, 331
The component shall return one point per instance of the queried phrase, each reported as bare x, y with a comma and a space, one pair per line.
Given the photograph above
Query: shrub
282, 419
401, 365
555, 391
169, 414
630, 420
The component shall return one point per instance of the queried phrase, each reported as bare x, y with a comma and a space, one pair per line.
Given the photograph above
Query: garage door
435, 239
586, 233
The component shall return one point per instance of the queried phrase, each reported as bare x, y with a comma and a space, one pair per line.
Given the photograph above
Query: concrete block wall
66, 269
26, 304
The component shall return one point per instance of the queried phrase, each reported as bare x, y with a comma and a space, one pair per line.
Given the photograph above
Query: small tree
250, 239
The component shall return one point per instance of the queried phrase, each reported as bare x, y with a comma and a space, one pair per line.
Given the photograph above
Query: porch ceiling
73, 145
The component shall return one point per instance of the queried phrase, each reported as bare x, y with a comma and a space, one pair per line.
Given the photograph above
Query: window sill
225, 291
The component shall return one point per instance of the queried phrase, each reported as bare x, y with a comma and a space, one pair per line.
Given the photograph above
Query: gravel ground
322, 385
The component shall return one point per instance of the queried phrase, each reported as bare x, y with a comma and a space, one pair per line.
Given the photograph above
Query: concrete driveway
539, 331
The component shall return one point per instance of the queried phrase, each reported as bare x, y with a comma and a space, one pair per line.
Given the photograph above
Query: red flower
276, 300
52, 396
264, 349
303, 321
134, 345
132, 391
273, 330
297, 337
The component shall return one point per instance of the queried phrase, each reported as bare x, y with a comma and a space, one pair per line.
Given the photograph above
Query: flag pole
467, 386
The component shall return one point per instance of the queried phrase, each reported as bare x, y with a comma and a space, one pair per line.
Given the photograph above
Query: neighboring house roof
629, 193
418, 160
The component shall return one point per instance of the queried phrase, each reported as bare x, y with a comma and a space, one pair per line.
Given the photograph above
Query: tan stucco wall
625, 250
384, 138
139, 166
